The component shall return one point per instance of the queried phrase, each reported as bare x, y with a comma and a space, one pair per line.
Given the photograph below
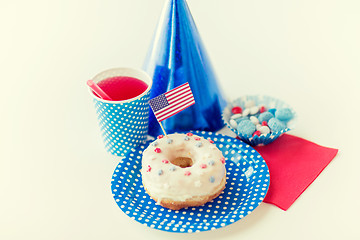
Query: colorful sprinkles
187, 173
232, 206
198, 144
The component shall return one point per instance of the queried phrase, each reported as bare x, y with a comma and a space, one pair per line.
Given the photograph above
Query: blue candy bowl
259, 100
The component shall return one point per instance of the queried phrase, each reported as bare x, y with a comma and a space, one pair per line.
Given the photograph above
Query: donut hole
182, 162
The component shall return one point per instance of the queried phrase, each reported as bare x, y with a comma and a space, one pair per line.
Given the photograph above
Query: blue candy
246, 127
265, 116
276, 125
284, 114
272, 111
238, 120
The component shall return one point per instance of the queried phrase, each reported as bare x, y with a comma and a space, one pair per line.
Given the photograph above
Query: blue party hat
175, 57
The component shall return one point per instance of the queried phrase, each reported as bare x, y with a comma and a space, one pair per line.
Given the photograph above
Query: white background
54, 172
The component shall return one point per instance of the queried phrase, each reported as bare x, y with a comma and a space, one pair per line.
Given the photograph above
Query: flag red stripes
178, 99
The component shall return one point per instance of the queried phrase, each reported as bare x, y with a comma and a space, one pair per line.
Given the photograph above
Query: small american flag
172, 102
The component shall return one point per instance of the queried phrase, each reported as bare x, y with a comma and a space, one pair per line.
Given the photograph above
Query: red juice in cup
121, 88
124, 119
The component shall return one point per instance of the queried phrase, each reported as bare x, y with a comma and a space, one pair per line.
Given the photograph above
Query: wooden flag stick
162, 128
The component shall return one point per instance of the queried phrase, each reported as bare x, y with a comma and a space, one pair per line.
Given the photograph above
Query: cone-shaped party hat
175, 57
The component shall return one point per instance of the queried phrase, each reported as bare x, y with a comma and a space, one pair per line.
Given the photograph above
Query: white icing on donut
166, 180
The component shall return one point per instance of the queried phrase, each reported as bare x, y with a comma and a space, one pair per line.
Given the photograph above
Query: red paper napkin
294, 163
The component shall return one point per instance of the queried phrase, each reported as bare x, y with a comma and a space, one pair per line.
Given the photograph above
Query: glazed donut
183, 170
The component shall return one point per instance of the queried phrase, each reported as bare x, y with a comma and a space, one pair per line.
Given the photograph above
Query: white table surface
54, 172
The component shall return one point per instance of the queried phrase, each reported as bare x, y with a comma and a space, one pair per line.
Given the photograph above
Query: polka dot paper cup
123, 124
258, 101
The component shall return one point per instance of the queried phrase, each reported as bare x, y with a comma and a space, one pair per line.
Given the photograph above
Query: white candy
254, 120
233, 123
246, 112
249, 104
258, 126
235, 116
264, 129
254, 110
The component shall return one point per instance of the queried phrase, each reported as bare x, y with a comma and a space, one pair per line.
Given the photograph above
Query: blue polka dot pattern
247, 183
124, 125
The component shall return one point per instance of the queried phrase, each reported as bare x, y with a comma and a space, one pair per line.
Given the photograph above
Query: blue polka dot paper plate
247, 183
